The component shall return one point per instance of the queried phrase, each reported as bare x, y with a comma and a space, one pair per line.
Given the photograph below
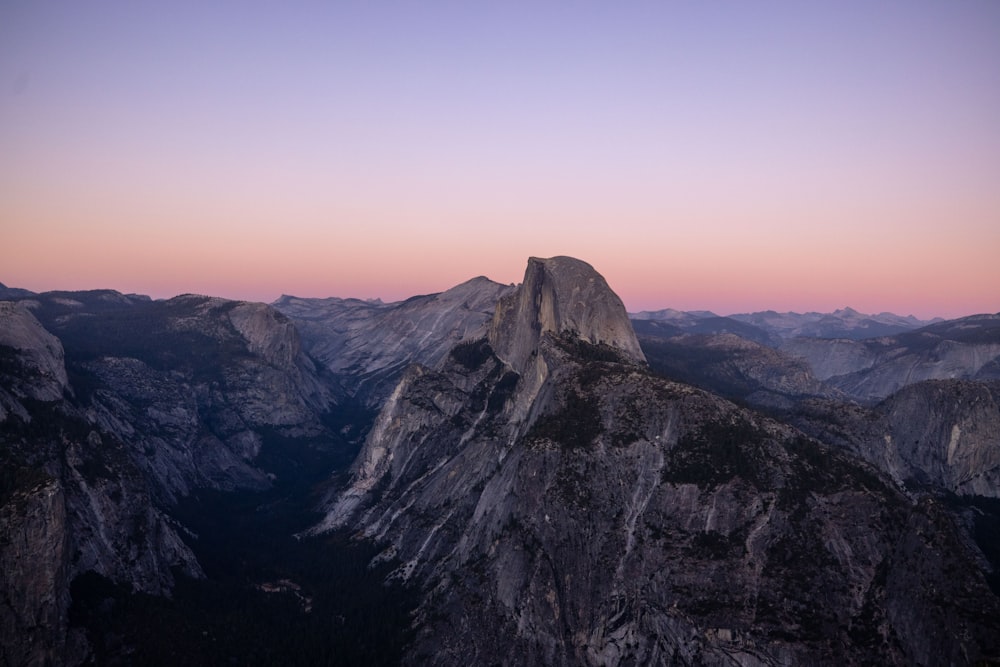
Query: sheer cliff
939, 433
559, 504
111, 409
71, 500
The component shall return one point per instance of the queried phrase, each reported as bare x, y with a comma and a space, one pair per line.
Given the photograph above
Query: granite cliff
366, 345
560, 504
870, 370
112, 408
939, 433
71, 500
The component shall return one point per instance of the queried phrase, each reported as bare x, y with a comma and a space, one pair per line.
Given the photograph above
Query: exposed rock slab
368, 344
942, 433
42, 372
558, 504
560, 294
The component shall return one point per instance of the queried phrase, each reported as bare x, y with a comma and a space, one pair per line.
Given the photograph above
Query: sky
724, 156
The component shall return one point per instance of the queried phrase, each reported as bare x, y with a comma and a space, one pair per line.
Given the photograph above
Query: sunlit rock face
367, 345
560, 294
559, 504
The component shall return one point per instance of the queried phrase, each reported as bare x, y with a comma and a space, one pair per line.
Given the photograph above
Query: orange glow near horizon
741, 160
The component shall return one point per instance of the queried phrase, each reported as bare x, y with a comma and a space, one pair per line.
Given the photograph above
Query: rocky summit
558, 295
557, 503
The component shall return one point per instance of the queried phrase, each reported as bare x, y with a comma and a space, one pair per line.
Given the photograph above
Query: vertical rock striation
560, 505
560, 294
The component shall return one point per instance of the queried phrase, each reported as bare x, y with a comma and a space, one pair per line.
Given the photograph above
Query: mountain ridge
552, 496
540, 502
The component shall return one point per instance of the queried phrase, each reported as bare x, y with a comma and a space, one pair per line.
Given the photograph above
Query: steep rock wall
558, 505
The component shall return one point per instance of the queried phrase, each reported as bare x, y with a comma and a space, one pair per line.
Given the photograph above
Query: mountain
113, 408
72, 500
759, 364
939, 433
732, 366
189, 382
558, 503
666, 323
844, 323
771, 328
966, 348
366, 345
492, 474
13, 292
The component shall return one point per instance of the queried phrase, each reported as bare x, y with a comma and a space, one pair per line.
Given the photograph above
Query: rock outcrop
42, 373
560, 294
945, 433
559, 504
111, 409
939, 433
870, 370
366, 345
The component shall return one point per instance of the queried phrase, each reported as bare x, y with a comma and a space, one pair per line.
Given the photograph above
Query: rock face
35, 591
946, 433
70, 501
42, 375
869, 370
732, 366
943, 433
190, 384
559, 504
559, 295
111, 409
367, 345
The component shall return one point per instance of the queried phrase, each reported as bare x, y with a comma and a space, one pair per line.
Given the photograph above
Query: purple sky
701, 155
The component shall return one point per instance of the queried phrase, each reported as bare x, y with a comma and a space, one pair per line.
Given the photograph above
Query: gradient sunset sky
729, 156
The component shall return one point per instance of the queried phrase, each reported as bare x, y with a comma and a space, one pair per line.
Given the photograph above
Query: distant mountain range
771, 326
762, 326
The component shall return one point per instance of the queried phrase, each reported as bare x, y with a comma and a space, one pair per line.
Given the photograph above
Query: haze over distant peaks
841, 323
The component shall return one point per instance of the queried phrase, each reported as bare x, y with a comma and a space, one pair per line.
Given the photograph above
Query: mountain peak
560, 294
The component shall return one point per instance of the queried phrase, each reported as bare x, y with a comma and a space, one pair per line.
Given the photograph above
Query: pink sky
720, 158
